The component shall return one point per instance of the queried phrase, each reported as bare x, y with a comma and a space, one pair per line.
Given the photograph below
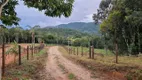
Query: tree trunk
116, 51
82, 51
140, 42
15, 58
89, 52
9, 40
74, 51
19, 55
31, 47
27, 52
92, 52
33, 42
106, 50
136, 45
71, 50
3, 57
17, 38
1, 7
77, 51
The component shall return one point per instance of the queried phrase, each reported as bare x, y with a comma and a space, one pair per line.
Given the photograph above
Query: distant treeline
62, 36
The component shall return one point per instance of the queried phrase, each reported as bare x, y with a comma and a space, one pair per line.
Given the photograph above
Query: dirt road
59, 68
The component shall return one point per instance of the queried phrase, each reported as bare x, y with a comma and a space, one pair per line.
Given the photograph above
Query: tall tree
102, 13
129, 28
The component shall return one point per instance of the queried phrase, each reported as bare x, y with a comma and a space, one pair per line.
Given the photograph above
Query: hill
62, 32
90, 27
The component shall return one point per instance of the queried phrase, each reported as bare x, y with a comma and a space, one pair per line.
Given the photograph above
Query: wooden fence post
3, 58
38, 49
19, 54
74, 51
68, 49
32, 51
89, 52
27, 52
82, 51
92, 52
71, 50
77, 51
116, 52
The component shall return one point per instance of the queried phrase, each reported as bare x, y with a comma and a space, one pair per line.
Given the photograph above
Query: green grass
110, 59
62, 68
71, 76
131, 66
51, 44
40, 53
103, 51
99, 51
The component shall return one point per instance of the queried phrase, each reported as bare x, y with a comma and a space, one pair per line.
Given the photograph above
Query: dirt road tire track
55, 58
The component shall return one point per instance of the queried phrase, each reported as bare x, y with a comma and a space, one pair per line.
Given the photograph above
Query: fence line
22, 51
75, 51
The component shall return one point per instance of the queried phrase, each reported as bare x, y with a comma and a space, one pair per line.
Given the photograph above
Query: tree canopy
53, 8
121, 21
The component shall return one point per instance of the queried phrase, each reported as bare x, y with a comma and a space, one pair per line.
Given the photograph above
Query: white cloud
87, 18
82, 11
46, 24
43, 24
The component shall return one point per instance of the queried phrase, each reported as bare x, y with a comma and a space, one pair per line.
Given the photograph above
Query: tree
103, 12
122, 18
7, 12
3, 33
133, 19
53, 8
18, 33
2, 30
114, 21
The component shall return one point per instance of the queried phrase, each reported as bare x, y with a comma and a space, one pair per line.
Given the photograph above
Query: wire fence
23, 52
80, 51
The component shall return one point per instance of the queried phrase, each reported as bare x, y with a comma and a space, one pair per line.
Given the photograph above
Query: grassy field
129, 67
110, 57
98, 51
51, 44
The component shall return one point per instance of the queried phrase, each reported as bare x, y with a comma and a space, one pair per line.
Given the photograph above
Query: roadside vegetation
129, 67
86, 50
30, 69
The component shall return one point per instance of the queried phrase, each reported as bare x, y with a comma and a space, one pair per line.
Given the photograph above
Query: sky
82, 12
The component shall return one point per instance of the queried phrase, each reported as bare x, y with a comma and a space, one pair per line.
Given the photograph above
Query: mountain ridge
89, 27
85, 27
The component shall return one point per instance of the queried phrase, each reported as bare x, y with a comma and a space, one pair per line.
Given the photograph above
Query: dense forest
121, 25
51, 36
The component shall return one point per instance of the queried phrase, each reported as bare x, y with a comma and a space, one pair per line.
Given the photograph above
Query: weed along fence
16, 54
80, 51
